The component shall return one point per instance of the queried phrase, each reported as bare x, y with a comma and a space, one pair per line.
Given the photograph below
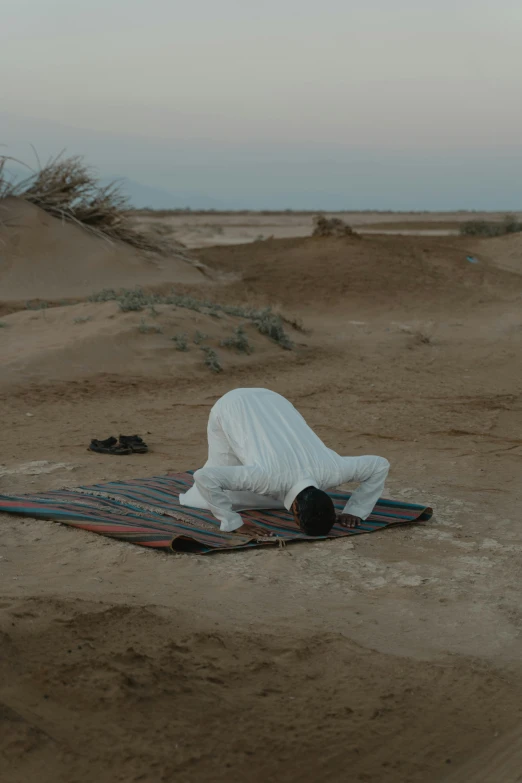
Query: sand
206, 229
80, 342
505, 252
403, 273
392, 657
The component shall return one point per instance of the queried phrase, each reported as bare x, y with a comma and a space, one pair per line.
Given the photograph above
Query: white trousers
220, 455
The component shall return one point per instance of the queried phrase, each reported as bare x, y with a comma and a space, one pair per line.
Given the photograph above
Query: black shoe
134, 443
109, 446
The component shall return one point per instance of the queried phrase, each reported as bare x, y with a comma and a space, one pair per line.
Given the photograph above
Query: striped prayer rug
147, 512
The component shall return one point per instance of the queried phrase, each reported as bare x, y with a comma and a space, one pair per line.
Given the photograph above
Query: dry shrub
332, 227
239, 341
483, 228
68, 189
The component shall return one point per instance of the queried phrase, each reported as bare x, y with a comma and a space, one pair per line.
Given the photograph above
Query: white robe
262, 454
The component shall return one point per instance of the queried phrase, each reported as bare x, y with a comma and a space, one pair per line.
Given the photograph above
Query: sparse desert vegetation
265, 320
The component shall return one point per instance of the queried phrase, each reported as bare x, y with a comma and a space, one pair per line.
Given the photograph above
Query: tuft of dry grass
212, 359
68, 189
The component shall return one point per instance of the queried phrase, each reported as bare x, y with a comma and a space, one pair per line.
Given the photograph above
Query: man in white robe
263, 454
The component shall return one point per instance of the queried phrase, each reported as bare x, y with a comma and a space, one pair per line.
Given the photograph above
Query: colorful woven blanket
147, 512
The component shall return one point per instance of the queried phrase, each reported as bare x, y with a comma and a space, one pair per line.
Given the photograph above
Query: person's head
314, 512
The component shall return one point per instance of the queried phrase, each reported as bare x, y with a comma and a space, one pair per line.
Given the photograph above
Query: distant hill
142, 196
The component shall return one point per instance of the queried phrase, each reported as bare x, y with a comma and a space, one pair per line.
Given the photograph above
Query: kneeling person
263, 454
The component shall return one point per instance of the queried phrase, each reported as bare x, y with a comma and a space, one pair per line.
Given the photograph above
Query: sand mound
44, 258
382, 270
89, 339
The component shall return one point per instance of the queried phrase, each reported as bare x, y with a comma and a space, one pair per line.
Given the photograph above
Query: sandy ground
394, 657
43, 258
205, 229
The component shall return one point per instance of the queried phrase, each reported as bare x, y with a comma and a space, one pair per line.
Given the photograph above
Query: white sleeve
212, 483
371, 472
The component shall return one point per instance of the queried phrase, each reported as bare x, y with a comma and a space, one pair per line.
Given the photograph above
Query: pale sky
273, 84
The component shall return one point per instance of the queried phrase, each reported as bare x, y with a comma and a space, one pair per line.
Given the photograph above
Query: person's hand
349, 520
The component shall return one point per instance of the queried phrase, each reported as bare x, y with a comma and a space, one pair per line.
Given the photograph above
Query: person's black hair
315, 512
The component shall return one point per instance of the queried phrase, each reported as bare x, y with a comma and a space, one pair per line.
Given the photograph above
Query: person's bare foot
349, 520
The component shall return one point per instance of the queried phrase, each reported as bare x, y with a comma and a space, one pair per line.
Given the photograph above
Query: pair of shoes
127, 444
